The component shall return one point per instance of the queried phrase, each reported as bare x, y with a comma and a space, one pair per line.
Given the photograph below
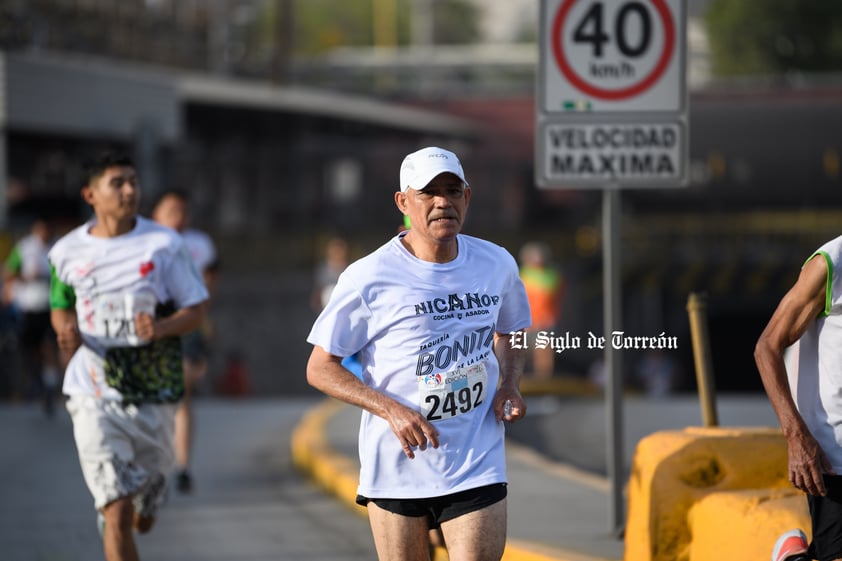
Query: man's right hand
326, 373
412, 430
807, 464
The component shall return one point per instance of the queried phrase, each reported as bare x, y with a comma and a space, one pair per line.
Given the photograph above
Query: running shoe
791, 546
184, 482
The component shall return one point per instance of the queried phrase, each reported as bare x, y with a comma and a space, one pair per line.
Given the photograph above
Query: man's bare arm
326, 373
67, 332
512, 362
796, 311
182, 321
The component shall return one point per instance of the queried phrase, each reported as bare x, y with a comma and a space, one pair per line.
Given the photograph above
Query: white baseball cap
421, 167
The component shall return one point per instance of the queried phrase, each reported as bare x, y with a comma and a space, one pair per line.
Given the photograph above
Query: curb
338, 475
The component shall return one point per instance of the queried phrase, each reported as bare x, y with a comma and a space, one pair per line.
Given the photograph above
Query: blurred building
280, 152
271, 171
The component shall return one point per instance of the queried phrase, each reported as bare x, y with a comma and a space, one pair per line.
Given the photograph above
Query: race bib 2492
448, 394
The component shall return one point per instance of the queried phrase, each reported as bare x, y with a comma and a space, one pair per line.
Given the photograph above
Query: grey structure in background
271, 171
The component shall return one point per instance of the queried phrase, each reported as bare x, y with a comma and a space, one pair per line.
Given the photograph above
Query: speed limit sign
612, 55
612, 94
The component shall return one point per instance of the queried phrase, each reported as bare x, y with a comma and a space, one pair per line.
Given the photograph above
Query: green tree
322, 25
455, 22
774, 36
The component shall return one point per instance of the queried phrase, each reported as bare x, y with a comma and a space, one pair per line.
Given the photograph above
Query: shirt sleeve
514, 308
203, 251
14, 261
62, 296
342, 328
183, 281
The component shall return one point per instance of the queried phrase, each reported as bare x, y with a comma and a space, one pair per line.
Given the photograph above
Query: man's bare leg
543, 361
398, 537
478, 535
183, 439
117, 537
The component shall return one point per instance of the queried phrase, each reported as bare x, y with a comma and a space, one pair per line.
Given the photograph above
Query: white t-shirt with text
425, 332
111, 280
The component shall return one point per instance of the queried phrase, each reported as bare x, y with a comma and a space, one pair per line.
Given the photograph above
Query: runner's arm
182, 321
326, 373
804, 302
11, 274
63, 317
511, 361
65, 325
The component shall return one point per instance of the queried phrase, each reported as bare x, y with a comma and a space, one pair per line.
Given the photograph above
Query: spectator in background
172, 210
544, 289
326, 276
657, 373
328, 271
596, 373
27, 288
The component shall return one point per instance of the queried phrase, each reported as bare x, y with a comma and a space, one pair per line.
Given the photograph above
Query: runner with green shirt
27, 288
123, 290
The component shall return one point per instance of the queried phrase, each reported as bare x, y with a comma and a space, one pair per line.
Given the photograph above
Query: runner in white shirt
27, 288
430, 313
809, 318
172, 210
123, 290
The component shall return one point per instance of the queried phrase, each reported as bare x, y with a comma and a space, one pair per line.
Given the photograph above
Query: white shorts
124, 450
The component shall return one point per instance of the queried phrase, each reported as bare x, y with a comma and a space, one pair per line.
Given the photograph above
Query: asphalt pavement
251, 504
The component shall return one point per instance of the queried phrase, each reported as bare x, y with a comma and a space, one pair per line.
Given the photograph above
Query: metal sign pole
598, 94
4, 185
613, 364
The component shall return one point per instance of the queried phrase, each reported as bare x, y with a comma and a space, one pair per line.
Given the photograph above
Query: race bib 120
115, 317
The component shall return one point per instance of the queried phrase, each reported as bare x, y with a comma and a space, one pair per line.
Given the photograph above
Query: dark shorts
826, 513
195, 346
35, 329
444, 508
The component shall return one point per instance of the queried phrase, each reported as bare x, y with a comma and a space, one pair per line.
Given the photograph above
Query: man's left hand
509, 405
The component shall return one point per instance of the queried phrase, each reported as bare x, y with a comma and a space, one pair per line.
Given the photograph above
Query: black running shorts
444, 508
826, 513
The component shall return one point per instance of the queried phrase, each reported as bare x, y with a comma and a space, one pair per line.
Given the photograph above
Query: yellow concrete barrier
744, 524
688, 489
